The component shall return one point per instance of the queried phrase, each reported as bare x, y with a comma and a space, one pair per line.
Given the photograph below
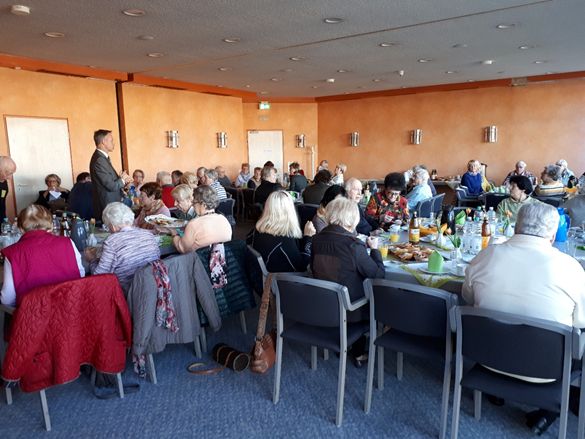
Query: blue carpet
234, 405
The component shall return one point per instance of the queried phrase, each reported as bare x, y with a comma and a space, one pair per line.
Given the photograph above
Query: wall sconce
354, 138
300, 140
490, 134
222, 140
416, 136
172, 139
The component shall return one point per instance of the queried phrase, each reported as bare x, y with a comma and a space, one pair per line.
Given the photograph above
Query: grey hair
422, 175
553, 171
537, 219
342, 212
182, 192
349, 183
164, 177
211, 174
521, 164
117, 214
562, 162
205, 195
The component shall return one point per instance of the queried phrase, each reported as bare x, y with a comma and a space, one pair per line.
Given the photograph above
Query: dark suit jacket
106, 184
298, 183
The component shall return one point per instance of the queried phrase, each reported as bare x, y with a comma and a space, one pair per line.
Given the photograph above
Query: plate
426, 271
165, 221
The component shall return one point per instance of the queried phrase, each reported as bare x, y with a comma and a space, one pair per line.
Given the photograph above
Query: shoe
533, 417
495, 400
110, 392
542, 425
360, 361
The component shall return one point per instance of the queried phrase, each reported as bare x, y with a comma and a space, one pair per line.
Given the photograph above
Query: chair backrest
248, 196
424, 208
306, 212
514, 344
438, 204
492, 200
461, 193
226, 208
256, 268
310, 301
553, 201
410, 308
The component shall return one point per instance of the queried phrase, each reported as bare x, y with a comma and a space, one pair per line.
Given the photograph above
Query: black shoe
360, 361
495, 400
533, 417
543, 424
110, 392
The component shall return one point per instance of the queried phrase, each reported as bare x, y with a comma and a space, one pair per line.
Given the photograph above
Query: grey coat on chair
189, 281
106, 184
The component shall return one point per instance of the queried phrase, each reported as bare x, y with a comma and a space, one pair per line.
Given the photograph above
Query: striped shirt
125, 252
219, 190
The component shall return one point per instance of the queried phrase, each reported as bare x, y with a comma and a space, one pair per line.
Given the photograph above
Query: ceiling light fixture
223, 69
539, 61
506, 25
263, 92
54, 34
156, 55
247, 85
487, 62
134, 12
146, 37
342, 71
450, 72
459, 46
424, 60
387, 44
333, 20
287, 70
20, 10
274, 79
400, 72
231, 40
314, 86
525, 47
330, 80
297, 58
376, 80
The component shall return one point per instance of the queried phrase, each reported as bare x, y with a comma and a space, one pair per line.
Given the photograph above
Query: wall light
173, 139
300, 140
222, 140
416, 136
354, 138
490, 134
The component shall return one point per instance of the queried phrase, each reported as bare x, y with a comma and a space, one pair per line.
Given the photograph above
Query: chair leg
243, 322
445, 399
197, 346
399, 365
277, 370
581, 428
370, 376
120, 385
380, 368
8, 391
326, 354
313, 357
45, 408
477, 404
456, 404
203, 338
93, 376
151, 369
341, 387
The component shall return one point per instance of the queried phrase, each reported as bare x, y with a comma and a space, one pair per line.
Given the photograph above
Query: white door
264, 146
39, 147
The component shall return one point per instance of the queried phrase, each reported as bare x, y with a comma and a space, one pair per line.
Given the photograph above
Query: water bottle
78, 234
467, 235
564, 224
56, 226
6, 228
491, 215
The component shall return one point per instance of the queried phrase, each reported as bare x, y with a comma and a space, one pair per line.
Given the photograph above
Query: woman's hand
372, 242
309, 229
90, 253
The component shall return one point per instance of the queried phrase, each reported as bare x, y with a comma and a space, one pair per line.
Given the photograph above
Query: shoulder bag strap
264, 308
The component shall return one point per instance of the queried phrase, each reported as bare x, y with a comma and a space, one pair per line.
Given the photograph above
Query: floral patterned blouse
385, 211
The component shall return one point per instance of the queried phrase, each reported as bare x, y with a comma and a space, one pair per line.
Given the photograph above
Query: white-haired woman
421, 190
278, 238
126, 250
339, 256
208, 227
472, 179
183, 195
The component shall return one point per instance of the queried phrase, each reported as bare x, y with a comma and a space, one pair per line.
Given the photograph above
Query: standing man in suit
107, 184
7, 168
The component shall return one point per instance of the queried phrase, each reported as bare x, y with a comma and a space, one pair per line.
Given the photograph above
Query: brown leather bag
264, 352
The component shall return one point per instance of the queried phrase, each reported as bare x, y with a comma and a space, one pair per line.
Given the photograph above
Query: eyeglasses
395, 193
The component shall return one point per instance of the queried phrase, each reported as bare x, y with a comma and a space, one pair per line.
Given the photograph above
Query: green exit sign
264, 105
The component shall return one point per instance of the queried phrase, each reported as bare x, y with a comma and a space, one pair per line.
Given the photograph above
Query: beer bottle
414, 229
486, 233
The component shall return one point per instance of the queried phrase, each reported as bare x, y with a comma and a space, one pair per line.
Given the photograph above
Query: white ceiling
190, 34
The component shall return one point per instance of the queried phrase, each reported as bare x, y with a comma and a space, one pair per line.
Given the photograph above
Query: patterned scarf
218, 266
165, 311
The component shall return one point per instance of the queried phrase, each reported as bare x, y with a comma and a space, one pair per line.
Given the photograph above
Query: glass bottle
414, 229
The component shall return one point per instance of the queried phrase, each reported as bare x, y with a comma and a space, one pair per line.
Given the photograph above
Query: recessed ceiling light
274, 79
17, 68
450, 72
297, 58
263, 92
539, 61
231, 40
333, 20
471, 80
423, 60
54, 34
330, 80
223, 69
550, 73
92, 67
387, 44
156, 55
146, 37
342, 71
487, 62
20, 10
400, 72
525, 47
376, 80
134, 12
505, 25
247, 85
459, 46
314, 86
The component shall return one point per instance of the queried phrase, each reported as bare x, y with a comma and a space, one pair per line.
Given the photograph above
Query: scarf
218, 266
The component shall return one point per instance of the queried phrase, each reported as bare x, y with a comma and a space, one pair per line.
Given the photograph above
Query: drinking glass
571, 242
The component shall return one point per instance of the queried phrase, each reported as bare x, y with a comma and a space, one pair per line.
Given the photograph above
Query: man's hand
124, 176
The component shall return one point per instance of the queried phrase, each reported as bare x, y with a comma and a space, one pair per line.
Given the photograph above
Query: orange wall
87, 104
151, 111
293, 119
538, 123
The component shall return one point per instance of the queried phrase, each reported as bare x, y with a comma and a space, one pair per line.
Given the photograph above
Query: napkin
435, 262
460, 217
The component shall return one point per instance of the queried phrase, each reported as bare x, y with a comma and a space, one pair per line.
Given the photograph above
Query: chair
306, 212
314, 312
226, 208
248, 197
418, 318
492, 200
256, 269
424, 208
464, 199
518, 345
438, 204
553, 201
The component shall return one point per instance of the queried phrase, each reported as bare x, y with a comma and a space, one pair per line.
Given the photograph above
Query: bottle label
414, 235
485, 240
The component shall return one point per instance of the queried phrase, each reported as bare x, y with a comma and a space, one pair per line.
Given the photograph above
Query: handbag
226, 356
264, 352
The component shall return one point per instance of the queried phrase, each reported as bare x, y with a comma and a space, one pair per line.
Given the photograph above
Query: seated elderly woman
208, 227
551, 184
473, 179
278, 238
339, 256
421, 190
151, 202
54, 197
388, 206
126, 250
183, 195
39, 258
201, 175
256, 179
313, 194
189, 178
330, 194
520, 190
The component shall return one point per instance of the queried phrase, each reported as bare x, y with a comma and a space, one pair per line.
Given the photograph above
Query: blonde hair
343, 212
182, 192
473, 165
342, 167
279, 217
35, 217
189, 178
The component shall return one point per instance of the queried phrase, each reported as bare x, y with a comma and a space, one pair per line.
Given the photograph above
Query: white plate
165, 221
426, 271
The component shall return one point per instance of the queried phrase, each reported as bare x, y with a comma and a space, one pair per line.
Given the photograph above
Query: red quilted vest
40, 258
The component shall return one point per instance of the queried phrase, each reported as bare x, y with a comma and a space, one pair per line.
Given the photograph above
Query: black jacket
298, 183
313, 194
264, 190
366, 223
339, 256
281, 254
